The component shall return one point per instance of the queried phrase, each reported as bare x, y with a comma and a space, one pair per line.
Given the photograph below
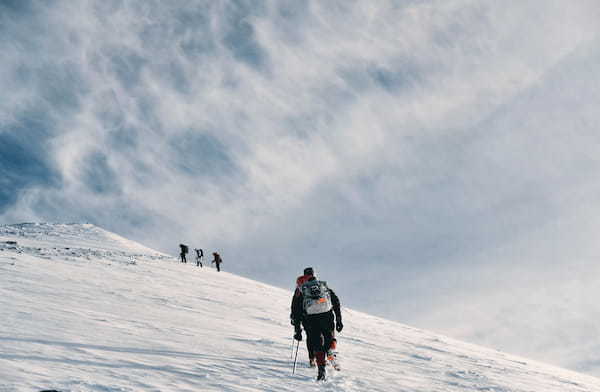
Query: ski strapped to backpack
316, 297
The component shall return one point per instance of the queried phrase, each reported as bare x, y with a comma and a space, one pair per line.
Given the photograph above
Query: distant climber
217, 261
314, 308
199, 256
184, 251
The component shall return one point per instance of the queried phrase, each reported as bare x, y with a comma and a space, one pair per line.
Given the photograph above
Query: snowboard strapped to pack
316, 297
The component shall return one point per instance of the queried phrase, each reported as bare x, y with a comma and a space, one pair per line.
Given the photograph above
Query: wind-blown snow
84, 310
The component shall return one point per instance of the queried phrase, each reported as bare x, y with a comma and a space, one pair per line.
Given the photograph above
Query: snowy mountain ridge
83, 309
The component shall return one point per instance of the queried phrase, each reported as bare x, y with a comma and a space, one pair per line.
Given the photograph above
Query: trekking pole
296, 358
292, 353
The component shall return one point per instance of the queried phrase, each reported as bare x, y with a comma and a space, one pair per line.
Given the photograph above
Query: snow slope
82, 309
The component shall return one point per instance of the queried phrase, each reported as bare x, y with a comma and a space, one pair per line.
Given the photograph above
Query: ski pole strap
292, 353
296, 358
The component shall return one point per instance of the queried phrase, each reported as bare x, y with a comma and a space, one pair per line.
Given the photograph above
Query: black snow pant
311, 353
319, 333
183, 259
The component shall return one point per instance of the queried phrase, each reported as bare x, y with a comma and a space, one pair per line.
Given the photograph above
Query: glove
298, 335
339, 326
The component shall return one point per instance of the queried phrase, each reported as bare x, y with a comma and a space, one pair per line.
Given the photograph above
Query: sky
435, 161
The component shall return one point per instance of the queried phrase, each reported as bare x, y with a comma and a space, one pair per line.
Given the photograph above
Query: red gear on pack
300, 281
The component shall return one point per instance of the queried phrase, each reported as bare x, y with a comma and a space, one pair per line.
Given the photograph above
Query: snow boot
321, 376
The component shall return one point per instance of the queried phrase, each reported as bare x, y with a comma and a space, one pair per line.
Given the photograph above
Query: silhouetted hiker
308, 272
217, 260
199, 256
314, 308
184, 251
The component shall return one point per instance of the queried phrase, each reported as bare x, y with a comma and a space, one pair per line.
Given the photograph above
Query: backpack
316, 297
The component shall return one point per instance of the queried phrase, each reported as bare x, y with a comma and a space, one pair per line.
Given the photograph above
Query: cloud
396, 146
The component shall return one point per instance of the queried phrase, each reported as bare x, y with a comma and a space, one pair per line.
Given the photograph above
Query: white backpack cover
316, 297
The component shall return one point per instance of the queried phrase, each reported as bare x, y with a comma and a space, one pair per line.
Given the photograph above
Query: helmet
309, 271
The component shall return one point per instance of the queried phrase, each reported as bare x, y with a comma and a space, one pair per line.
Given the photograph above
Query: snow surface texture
82, 309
